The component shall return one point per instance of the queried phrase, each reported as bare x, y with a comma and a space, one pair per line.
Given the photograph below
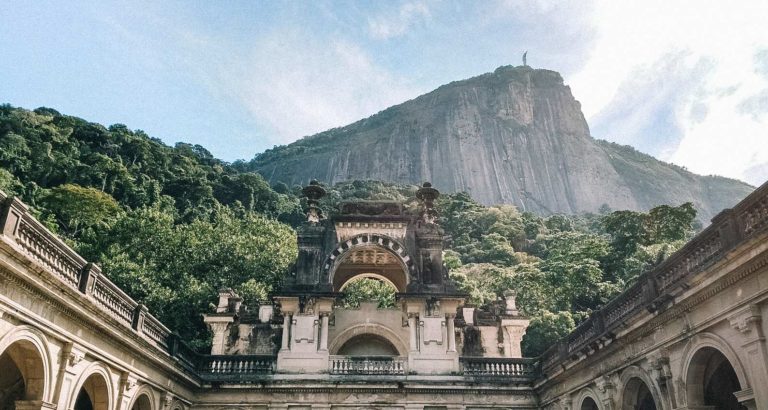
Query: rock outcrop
514, 136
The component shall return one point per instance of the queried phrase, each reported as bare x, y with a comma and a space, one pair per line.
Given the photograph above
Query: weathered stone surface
514, 136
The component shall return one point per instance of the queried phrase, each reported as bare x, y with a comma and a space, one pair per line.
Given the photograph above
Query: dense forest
171, 225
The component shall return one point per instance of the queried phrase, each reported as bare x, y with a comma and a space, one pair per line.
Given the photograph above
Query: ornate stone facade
688, 335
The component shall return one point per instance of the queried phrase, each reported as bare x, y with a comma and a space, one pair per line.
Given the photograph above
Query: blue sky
683, 80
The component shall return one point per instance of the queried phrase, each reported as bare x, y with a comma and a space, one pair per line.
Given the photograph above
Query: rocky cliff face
514, 136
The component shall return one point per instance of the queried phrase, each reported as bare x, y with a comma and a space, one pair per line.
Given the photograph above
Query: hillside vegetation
171, 225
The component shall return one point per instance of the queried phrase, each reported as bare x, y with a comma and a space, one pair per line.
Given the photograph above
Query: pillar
451, 332
414, 344
748, 321
324, 331
286, 331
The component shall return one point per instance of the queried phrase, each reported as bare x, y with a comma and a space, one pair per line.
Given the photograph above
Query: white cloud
299, 85
716, 134
396, 24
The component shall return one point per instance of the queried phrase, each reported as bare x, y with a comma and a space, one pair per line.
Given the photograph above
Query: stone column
748, 321
219, 337
413, 337
219, 324
324, 331
513, 331
286, 331
451, 332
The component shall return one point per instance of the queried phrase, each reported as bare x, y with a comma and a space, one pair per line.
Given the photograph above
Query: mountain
514, 136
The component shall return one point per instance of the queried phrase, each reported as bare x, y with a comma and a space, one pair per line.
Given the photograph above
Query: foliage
77, 208
368, 289
176, 269
544, 329
171, 225
572, 265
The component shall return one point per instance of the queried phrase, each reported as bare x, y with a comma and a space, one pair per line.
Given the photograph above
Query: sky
685, 81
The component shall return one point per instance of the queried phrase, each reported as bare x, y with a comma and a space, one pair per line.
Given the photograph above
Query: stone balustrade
52, 254
114, 300
505, 367
235, 367
361, 365
40, 244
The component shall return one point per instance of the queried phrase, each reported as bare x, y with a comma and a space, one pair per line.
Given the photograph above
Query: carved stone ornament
129, 384
604, 384
75, 357
747, 320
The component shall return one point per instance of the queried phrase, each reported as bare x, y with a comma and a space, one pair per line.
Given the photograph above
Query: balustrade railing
625, 304
114, 300
383, 365
235, 367
155, 331
498, 367
55, 256
48, 250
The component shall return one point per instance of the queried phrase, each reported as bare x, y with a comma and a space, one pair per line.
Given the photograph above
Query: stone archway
143, 399
94, 390
23, 375
638, 391
588, 403
712, 380
637, 396
587, 400
143, 402
368, 345
25, 363
368, 329
369, 255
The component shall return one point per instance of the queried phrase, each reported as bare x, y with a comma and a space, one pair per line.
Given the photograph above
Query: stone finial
509, 299
427, 195
313, 192
229, 301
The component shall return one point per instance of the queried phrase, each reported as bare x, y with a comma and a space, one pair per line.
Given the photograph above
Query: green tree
368, 289
77, 208
545, 329
176, 269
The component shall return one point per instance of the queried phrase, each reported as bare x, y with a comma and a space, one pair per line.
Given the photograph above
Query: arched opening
94, 394
142, 403
23, 374
371, 261
589, 404
370, 255
365, 288
368, 345
712, 381
637, 396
